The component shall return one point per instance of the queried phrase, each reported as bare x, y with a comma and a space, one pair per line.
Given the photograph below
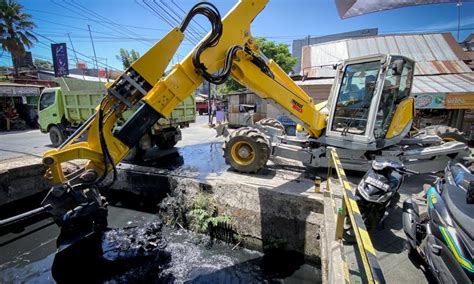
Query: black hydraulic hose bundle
105, 150
210, 11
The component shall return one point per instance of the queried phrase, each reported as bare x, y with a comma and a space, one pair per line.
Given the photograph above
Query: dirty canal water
139, 249
200, 159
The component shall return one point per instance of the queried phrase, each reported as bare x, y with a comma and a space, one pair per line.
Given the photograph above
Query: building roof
451, 83
436, 53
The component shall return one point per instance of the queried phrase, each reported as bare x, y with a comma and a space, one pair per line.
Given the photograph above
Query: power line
110, 22
191, 26
110, 26
193, 20
166, 19
86, 19
104, 65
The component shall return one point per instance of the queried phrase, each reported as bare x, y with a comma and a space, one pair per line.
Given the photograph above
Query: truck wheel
164, 144
168, 138
272, 123
135, 154
446, 133
56, 136
247, 150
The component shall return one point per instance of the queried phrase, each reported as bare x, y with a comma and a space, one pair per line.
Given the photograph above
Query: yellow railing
349, 208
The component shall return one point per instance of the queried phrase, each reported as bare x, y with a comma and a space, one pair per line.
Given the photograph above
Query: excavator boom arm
228, 46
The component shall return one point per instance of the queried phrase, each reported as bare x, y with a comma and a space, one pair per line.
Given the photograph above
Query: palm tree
15, 29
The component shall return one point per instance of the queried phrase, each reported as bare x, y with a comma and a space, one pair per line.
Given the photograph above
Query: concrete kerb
24, 177
333, 265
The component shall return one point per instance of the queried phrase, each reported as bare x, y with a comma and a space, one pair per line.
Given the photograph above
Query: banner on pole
60, 62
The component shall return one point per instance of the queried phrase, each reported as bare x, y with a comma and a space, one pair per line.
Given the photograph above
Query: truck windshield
355, 96
46, 100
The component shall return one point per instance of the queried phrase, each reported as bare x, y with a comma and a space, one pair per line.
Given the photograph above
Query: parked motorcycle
444, 236
377, 193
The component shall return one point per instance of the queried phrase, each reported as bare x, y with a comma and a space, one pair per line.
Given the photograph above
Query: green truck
61, 110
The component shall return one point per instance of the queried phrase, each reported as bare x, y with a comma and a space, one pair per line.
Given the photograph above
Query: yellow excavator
369, 114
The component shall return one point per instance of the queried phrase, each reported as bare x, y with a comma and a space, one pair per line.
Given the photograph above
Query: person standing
213, 111
10, 115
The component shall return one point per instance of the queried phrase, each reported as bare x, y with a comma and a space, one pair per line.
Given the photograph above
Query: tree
15, 29
279, 52
126, 57
44, 64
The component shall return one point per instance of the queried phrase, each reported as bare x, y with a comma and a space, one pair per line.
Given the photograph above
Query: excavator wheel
246, 150
446, 133
273, 123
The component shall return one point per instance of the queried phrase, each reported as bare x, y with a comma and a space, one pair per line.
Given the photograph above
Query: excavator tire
273, 123
446, 133
246, 150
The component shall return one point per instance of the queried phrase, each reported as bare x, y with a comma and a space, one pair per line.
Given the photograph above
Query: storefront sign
430, 101
460, 101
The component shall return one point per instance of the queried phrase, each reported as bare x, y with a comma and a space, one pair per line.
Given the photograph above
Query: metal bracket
134, 84
121, 98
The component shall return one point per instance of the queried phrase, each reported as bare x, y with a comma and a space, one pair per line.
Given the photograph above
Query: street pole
93, 48
459, 17
209, 103
77, 60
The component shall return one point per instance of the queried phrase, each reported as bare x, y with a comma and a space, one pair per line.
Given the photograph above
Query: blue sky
118, 23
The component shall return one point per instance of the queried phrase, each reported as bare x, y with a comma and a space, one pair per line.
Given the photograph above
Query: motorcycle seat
461, 212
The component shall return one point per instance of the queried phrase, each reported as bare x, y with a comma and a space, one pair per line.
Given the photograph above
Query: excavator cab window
355, 97
396, 88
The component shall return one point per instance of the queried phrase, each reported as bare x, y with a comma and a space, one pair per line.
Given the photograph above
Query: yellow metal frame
403, 116
349, 208
168, 91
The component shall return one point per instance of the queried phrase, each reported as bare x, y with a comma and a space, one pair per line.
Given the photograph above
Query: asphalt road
17, 144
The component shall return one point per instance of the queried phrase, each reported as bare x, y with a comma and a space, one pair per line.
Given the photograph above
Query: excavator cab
370, 106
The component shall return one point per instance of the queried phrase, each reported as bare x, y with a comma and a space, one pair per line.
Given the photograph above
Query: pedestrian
10, 115
213, 111
33, 118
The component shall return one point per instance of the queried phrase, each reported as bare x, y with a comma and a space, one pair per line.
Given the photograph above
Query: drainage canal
140, 247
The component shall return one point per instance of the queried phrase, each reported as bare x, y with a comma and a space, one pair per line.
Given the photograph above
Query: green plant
204, 213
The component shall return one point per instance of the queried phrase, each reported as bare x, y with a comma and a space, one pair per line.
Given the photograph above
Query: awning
452, 91
352, 8
18, 90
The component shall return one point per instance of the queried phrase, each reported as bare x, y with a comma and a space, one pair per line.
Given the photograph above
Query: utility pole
75, 55
93, 48
458, 5
209, 112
